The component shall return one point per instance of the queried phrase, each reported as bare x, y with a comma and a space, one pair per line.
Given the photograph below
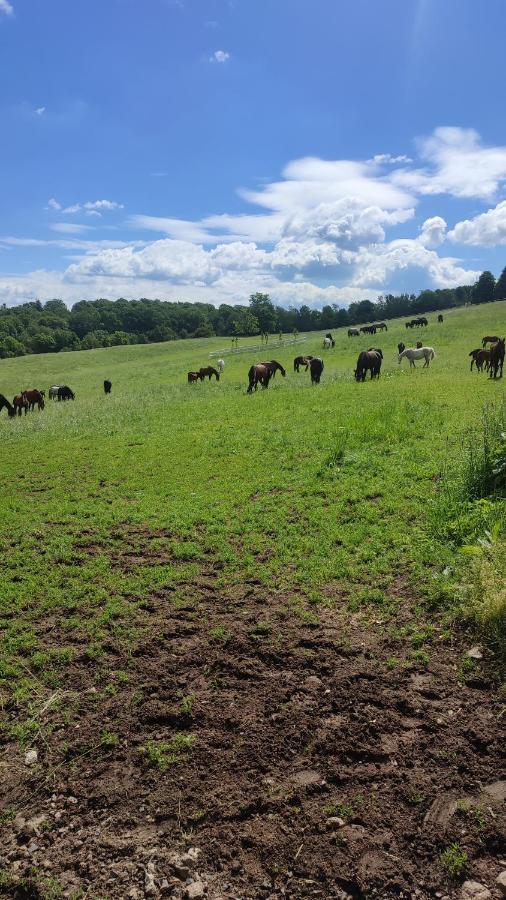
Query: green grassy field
325, 497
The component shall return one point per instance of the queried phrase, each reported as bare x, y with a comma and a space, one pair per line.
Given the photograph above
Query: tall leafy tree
484, 289
500, 288
262, 307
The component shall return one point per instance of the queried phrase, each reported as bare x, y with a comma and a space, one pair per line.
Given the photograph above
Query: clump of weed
161, 754
260, 630
454, 860
108, 740
219, 633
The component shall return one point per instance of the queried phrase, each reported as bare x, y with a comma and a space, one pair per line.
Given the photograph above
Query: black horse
401, 346
65, 393
5, 403
107, 386
369, 360
316, 369
440, 318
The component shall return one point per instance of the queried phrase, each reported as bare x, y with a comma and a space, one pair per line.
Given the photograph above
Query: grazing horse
497, 358
65, 393
20, 403
34, 397
353, 332
316, 366
107, 386
262, 374
53, 391
480, 358
368, 329
401, 346
194, 376
208, 371
327, 343
381, 326
301, 361
426, 353
221, 365
489, 340
331, 339
368, 359
440, 318
10, 409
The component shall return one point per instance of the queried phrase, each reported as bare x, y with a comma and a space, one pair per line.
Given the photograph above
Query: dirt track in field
317, 768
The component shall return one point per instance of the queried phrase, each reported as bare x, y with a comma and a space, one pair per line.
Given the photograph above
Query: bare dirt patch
291, 751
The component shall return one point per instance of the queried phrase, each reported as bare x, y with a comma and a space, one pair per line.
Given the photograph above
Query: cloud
40, 109
432, 232
6, 7
69, 227
458, 164
487, 229
387, 158
91, 207
219, 56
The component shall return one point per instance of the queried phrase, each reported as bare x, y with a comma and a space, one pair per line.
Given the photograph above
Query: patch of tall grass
471, 512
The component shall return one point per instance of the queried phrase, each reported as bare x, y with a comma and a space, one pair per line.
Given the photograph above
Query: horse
316, 366
368, 329
301, 361
331, 339
497, 358
65, 393
368, 359
221, 365
5, 403
489, 340
327, 343
381, 326
480, 358
20, 403
261, 373
53, 391
401, 346
353, 332
34, 397
208, 371
409, 324
427, 353
107, 386
440, 318
194, 376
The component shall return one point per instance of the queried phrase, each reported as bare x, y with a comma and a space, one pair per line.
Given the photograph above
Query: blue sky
321, 150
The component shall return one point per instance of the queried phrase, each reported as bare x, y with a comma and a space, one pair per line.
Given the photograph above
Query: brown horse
301, 361
20, 403
381, 326
194, 376
369, 360
5, 403
34, 398
208, 371
368, 329
353, 332
480, 358
262, 374
489, 340
497, 358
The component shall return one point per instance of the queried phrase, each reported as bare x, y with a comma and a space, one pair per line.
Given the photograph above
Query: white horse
53, 391
221, 364
327, 343
411, 353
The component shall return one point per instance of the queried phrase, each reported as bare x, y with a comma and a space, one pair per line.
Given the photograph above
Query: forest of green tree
53, 327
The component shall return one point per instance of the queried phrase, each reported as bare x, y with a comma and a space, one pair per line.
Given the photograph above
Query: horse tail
433, 352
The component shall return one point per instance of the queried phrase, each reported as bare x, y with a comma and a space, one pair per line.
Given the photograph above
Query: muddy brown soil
324, 761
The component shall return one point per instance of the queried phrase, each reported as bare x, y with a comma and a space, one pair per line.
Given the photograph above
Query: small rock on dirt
474, 653
195, 889
312, 683
31, 757
501, 883
149, 884
335, 822
473, 890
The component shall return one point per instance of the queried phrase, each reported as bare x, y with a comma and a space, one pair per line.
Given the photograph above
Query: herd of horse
489, 358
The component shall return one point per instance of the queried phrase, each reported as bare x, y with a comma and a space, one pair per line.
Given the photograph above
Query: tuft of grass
454, 860
160, 754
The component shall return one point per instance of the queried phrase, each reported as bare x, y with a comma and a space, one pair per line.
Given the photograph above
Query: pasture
226, 623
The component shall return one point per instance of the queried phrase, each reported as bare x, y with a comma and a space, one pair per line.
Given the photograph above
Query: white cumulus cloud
487, 229
6, 7
433, 232
219, 56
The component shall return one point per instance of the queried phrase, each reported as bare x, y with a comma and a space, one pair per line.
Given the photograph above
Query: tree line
53, 327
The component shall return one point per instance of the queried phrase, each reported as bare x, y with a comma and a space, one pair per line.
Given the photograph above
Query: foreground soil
253, 749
